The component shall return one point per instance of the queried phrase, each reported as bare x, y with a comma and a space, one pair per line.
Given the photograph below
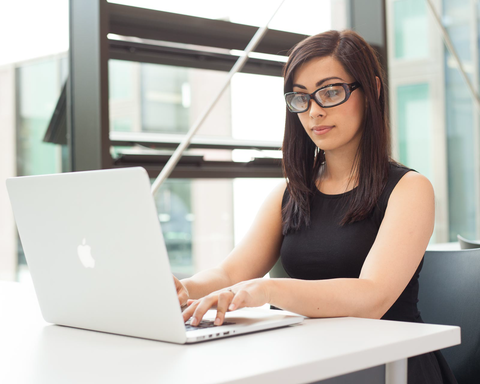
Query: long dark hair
301, 157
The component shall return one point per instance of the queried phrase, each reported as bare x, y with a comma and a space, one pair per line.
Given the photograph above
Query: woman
350, 225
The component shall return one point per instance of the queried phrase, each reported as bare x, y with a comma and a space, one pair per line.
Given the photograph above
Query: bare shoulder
279, 190
275, 197
413, 189
413, 182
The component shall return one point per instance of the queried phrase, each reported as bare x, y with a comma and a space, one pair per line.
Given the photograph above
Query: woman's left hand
251, 293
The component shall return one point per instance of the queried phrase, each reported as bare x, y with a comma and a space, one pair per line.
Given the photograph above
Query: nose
315, 109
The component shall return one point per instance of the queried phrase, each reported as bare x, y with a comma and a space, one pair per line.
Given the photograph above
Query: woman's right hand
182, 292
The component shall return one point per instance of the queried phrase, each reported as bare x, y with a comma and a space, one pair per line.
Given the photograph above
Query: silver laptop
98, 260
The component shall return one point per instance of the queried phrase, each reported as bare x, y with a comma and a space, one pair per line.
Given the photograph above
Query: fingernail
217, 321
193, 321
231, 307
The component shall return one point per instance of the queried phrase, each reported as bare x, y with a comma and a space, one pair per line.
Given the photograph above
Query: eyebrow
319, 83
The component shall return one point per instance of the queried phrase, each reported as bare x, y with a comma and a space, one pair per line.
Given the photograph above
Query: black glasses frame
349, 88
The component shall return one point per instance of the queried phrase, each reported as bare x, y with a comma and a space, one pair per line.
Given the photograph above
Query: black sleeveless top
328, 250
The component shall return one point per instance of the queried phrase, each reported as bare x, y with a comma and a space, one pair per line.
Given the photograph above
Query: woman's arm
253, 257
393, 259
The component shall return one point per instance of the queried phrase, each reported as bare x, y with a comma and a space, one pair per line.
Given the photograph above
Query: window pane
202, 220
38, 88
462, 170
196, 217
165, 98
414, 127
122, 79
174, 209
411, 29
38, 92
415, 137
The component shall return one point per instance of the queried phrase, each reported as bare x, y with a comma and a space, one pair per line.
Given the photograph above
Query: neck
339, 166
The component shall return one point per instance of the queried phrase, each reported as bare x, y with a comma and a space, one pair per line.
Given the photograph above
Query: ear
379, 87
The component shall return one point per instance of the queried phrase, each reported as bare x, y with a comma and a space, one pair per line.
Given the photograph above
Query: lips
322, 129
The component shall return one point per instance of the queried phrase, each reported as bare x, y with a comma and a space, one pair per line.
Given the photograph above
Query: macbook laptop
98, 261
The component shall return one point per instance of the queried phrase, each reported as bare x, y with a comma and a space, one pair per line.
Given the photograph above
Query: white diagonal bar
177, 154
453, 52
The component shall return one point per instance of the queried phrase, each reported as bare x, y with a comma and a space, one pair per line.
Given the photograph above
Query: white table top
32, 351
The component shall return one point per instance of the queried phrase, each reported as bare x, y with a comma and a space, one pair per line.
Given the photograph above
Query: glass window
414, 130
411, 29
415, 140
462, 170
165, 93
121, 79
201, 219
174, 207
39, 86
460, 156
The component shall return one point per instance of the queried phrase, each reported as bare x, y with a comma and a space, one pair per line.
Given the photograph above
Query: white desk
32, 351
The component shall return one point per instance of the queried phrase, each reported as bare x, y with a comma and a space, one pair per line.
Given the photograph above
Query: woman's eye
331, 93
301, 99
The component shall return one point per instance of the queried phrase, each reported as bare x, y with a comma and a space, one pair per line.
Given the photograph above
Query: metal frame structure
149, 36
87, 88
172, 40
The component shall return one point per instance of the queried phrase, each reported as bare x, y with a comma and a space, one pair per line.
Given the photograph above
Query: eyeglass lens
327, 97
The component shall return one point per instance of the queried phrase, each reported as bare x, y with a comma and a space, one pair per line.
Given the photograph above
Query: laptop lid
96, 253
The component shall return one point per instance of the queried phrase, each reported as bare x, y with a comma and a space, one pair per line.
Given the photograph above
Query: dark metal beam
154, 54
194, 167
168, 140
158, 25
87, 101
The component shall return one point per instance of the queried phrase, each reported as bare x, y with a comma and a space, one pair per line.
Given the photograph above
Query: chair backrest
467, 244
450, 294
277, 271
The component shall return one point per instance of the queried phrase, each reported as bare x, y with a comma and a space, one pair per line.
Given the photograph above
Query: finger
188, 312
182, 293
183, 298
239, 301
204, 305
224, 299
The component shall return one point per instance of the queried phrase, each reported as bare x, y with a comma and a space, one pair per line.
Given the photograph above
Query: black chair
450, 294
467, 244
277, 270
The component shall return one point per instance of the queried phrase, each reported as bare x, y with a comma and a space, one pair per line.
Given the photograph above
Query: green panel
414, 130
38, 89
38, 92
411, 29
121, 80
461, 125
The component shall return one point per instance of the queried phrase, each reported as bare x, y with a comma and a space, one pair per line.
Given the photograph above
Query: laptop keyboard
204, 324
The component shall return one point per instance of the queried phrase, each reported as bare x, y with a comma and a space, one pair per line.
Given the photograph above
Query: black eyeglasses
327, 96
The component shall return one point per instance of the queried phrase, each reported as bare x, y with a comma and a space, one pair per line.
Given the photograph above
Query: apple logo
85, 255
